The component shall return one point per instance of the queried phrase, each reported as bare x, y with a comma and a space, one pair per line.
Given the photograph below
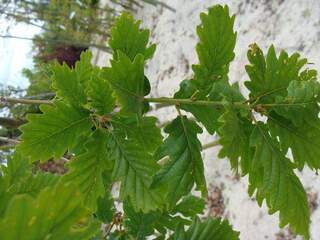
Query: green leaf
207, 115
215, 50
33, 184
234, 139
127, 80
129, 39
273, 178
119, 235
219, 91
4, 197
84, 68
179, 233
190, 206
134, 167
217, 41
18, 178
105, 208
55, 214
86, 169
210, 228
292, 96
185, 166
29, 183
300, 105
67, 85
51, 134
139, 225
17, 168
144, 131
270, 76
304, 141
100, 94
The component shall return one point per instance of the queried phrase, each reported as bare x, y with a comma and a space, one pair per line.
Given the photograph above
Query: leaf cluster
99, 117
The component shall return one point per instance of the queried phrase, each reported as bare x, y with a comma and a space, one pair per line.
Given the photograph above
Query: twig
9, 140
210, 144
71, 42
41, 96
156, 2
5, 100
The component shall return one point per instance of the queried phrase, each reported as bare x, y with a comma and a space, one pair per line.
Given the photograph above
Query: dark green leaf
139, 225
105, 208
217, 41
300, 105
234, 139
208, 229
304, 141
216, 28
273, 178
190, 206
134, 167
270, 76
185, 166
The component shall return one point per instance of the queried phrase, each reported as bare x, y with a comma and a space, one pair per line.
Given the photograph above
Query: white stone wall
293, 25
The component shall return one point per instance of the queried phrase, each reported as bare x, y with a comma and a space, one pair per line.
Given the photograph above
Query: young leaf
208, 229
185, 166
100, 93
273, 177
86, 169
134, 167
56, 213
50, 134
129, 39
127, 80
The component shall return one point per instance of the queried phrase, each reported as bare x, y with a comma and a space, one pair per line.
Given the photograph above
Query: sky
15, 54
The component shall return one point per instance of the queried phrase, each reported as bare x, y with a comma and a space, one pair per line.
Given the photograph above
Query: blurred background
34, 34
